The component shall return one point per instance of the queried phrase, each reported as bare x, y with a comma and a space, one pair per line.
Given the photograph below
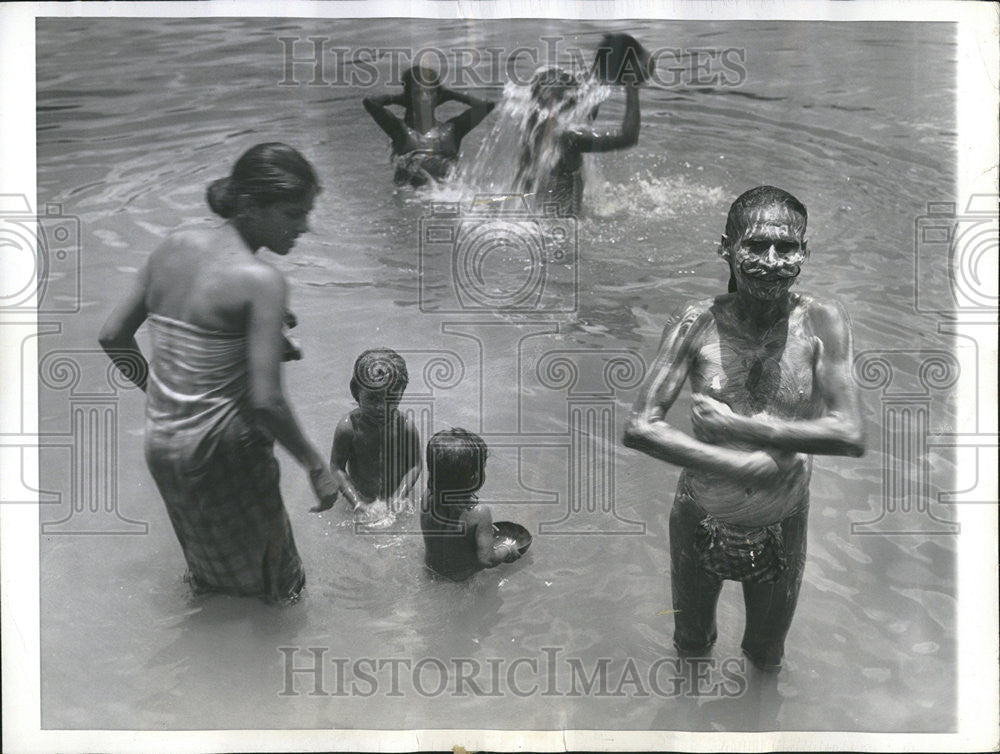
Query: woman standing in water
550, 165
215, 402
422, 148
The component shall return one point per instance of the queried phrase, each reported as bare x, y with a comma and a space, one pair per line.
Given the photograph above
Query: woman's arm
583, 140
647, 429
265, 346
838, 432
117, 337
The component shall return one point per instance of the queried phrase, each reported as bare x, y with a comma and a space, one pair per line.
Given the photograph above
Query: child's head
456, 461
379, 375
419, 78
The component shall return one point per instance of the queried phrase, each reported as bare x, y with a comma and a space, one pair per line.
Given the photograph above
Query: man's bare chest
770, 373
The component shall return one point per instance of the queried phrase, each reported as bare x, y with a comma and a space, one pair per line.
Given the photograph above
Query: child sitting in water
376, 449
458, 532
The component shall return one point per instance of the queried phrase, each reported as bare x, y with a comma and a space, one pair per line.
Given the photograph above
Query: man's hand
712, 421
325, 487
769, 465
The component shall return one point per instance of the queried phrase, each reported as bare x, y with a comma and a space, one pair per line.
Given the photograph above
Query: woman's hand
712, 421
292, 350
325, 487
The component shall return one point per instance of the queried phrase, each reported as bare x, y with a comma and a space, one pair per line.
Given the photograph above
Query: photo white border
979, 663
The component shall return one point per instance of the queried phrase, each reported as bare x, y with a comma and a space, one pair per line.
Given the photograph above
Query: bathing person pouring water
215, 402
557, 133
771, 383
424, 149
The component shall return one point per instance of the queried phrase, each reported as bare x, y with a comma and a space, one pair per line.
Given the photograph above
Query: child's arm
409, 480
388, 122
478, 109
482, 520
340, 455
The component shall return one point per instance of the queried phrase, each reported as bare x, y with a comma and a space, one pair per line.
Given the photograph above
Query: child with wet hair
458, 531
376, 448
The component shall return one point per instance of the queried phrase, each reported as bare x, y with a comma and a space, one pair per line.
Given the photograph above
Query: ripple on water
879, 675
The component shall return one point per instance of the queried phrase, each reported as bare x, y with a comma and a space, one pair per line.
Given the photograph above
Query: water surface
135, 118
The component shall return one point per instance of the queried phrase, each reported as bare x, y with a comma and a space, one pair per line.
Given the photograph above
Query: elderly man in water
770, 373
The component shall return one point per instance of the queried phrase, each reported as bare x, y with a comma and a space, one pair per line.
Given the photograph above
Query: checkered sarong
740, 553
214, 468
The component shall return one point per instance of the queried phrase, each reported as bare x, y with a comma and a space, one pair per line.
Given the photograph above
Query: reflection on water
872, 647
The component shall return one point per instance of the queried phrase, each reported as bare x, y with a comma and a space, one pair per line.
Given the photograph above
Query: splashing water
524, 126
660, 196
527, 131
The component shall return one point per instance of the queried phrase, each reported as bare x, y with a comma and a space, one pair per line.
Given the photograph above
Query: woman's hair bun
222, 198
264, 174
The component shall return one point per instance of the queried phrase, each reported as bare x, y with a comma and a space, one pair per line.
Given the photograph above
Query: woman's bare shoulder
216, 251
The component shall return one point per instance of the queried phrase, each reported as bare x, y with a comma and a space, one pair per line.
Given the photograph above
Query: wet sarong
696, 582
214, 467
420, 167
741, 553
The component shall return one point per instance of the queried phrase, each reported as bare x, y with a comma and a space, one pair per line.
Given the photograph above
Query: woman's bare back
204, 278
